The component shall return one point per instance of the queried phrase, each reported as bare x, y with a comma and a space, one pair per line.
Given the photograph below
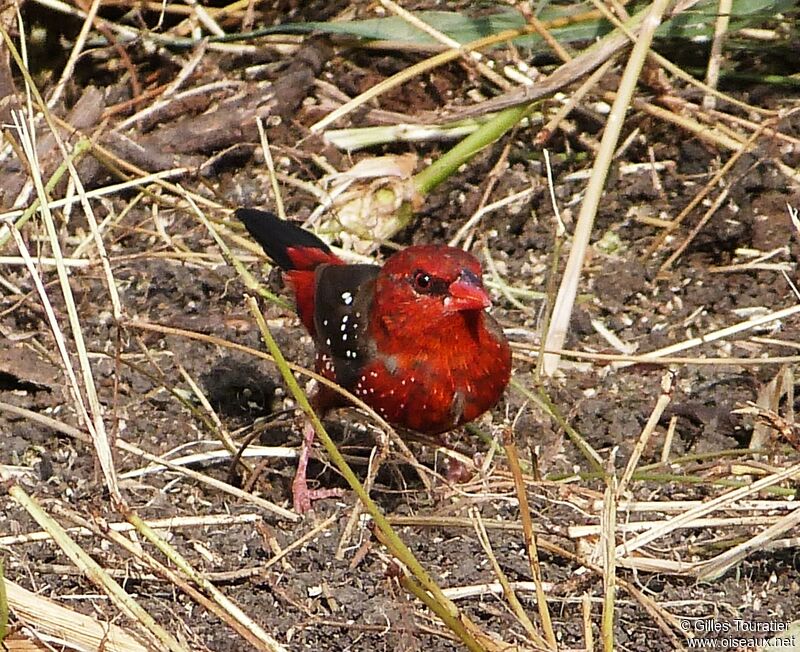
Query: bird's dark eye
422, 281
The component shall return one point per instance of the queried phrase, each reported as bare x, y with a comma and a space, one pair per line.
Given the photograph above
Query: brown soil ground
311, 599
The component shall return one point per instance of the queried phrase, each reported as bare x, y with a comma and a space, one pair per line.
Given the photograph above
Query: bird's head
429, 282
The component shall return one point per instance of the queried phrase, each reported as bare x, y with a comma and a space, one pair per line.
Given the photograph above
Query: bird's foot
302, 497
458, 472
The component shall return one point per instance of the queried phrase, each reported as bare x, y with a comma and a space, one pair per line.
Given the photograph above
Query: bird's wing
342, 306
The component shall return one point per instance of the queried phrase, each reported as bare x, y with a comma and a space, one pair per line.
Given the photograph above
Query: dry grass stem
562, 309
607, 545
59, 625
530, 538
655, 416
513, 601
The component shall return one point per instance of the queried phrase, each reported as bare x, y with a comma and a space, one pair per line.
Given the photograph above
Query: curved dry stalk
508, 590
471, 58
562, 310
43, 615
651, 359
606, 545
715, 56
91, 415
75, 433
122, 600
530, 538
255, 632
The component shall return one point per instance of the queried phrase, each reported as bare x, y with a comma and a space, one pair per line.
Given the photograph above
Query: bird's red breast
411, 339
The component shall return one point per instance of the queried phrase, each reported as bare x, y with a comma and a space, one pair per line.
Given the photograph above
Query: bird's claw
303, 498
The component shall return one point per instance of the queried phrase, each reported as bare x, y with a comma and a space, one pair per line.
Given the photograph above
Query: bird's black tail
276, 236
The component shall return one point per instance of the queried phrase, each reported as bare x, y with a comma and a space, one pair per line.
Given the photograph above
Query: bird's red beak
466, 293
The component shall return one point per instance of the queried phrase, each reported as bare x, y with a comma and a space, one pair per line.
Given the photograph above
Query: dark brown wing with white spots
341, 315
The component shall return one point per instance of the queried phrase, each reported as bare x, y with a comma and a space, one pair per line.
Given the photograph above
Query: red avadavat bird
411, 339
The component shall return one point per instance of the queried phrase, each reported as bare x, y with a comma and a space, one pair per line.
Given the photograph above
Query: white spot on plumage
328, 341
324, 322
344, 337
347, 297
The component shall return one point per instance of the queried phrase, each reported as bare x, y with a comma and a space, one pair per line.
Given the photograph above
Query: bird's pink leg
303, 497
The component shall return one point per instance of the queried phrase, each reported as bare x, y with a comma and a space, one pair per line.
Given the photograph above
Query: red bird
411, 339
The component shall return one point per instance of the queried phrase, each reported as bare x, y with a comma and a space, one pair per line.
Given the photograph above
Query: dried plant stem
376, 459
3, 604
412, 71
217, 426
256, 633
95, 573
620, 360
608, 542
250, 282
707, 507
411, 585
715, 57
644, 437
80, 148
530, 537
91, 410
586, 612
224, 487
92, 419
722, 563
169, 573
508, 590
543, 400
43, 616
23, 215
718, 137
471, 58
273, 180
699, 197
562, 310
722, 333
77, 49
574, 100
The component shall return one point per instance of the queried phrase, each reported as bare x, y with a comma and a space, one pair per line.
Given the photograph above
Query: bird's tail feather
289, 246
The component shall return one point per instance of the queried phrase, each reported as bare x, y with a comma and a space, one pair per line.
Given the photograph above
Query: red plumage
411, 339
301, 277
